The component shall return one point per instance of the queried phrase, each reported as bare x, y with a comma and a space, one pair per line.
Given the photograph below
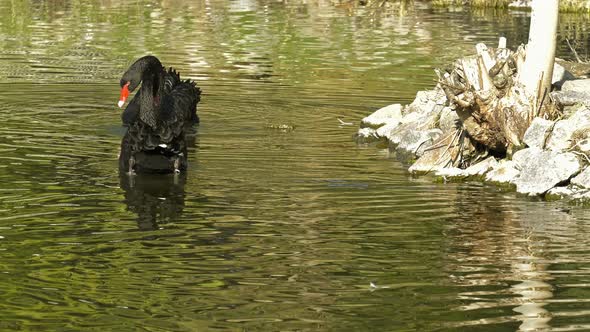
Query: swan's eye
124, 94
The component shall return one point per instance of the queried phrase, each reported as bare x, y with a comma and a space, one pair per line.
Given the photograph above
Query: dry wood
573, 49
494, 108
497, 92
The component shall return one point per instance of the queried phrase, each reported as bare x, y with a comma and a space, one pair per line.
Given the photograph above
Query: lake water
282, 221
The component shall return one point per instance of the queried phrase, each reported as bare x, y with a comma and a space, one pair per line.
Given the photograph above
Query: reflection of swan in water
157, 199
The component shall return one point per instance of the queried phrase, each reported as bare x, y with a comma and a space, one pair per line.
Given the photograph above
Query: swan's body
157, 117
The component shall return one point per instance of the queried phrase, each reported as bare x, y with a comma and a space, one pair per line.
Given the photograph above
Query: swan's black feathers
173, 105
171, 79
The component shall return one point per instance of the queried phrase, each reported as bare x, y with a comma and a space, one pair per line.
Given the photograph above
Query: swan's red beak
124, 94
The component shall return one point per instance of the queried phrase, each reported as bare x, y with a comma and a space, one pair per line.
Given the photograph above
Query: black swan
157, 118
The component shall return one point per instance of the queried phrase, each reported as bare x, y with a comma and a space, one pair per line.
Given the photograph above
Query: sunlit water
282, 222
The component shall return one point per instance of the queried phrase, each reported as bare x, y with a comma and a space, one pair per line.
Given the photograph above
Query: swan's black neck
149, 71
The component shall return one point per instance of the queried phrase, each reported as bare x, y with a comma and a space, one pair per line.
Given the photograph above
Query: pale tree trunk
540, 52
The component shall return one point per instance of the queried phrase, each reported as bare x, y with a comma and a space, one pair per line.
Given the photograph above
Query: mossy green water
271, 228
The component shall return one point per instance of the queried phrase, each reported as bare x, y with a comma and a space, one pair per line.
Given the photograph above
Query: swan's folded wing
178, 110
180, 105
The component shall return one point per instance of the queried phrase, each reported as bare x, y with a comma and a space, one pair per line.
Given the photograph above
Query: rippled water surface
282, 222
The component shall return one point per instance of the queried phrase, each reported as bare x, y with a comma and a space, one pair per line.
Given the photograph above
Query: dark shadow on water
156, 198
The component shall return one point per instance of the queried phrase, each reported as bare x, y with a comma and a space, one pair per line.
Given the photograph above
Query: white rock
385, 130
413, 117
385, 115
560, 75
582, 86
396, 135
416, 141
366, 135
561, 192
560, 139
524, 156
581, 116
582, 179
582, 195
570, 98
560, 136
421, 115
571, 193
584, 145
427, 102
482, 167
537, 133
504, 172
452, 172
433, 159
448, 119
425, 164
422, 120
541, 170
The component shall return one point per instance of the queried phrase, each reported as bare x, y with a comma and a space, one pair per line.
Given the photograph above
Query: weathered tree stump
495, 109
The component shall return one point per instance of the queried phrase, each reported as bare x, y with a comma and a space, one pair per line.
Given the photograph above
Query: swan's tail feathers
173, 71
171, 79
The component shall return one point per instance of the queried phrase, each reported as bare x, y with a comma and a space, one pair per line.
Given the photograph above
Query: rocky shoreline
553, 164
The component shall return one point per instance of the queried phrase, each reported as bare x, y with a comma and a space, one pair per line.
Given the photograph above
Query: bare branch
573, 50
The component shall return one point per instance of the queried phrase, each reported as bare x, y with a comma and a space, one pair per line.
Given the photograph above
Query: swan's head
129, 82
144, 68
